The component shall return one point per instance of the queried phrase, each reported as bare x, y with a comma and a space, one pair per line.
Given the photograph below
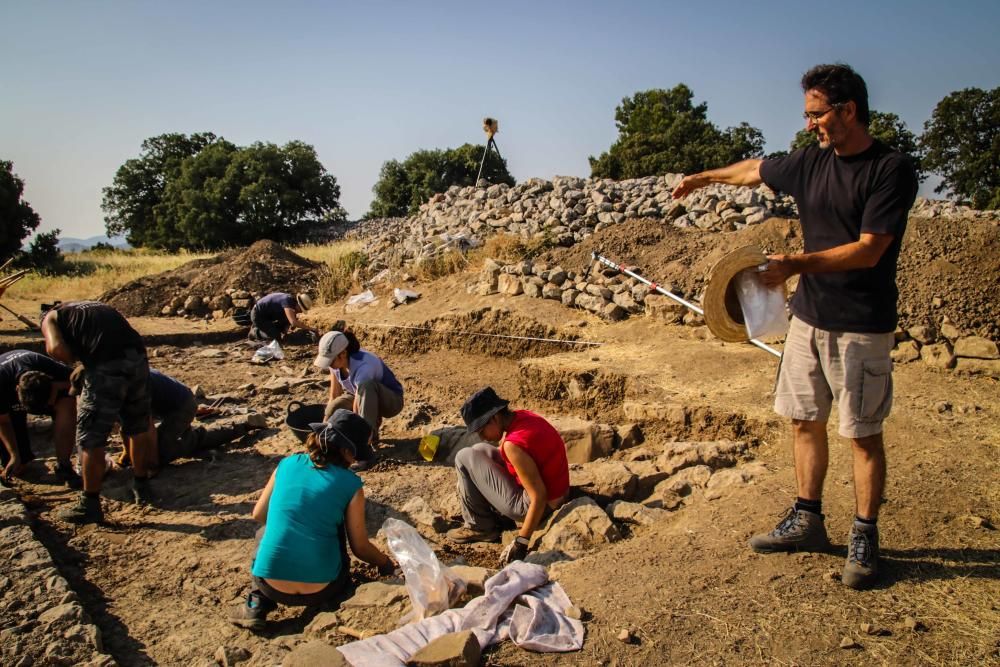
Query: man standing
276, 313
32, 382
853, 195
114, 379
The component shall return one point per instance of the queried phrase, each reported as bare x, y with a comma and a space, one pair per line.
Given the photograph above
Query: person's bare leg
869, 474
93, 469
64, 429
811, 451
142, 448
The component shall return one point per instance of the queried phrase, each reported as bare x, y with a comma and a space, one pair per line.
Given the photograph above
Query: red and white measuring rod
670, 295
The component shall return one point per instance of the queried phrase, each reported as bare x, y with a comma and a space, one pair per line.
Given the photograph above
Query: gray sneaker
798, 530
861, 568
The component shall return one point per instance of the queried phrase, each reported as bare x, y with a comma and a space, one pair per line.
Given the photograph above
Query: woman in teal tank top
311, 507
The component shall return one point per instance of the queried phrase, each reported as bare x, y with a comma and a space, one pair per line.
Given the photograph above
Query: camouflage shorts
116, 390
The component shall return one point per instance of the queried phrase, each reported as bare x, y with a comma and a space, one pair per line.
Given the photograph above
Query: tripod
491, 127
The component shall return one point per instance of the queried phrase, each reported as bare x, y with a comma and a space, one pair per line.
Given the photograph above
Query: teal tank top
307, 507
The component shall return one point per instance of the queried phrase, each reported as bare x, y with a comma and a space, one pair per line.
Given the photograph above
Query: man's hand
779, 269
13, 469
689, 184
516, 550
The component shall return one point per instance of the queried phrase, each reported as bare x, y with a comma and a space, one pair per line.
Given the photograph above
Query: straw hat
723, 314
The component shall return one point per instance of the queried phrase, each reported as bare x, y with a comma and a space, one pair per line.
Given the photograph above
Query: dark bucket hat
348, 431
480, 407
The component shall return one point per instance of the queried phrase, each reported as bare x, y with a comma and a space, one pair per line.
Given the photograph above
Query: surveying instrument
490, 126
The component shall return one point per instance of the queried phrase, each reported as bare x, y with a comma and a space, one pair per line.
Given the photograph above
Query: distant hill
70, 244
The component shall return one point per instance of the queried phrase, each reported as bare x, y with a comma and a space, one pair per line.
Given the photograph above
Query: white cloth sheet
519, 603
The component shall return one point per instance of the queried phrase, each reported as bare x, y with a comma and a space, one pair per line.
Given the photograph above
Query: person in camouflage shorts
112, 385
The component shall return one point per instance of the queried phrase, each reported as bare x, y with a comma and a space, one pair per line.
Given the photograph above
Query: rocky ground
688, 462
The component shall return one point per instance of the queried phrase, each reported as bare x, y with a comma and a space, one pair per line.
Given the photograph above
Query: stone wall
41, 619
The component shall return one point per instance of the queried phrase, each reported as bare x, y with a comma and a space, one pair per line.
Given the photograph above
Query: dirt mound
954, 263
264, 267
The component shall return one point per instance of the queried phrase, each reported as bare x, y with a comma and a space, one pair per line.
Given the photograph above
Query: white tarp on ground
519, 603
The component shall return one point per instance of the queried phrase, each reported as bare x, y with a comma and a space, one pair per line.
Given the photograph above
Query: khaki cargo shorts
821, 367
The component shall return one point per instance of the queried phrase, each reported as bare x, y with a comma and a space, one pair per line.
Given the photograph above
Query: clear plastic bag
269, 352
763, 307
432, 586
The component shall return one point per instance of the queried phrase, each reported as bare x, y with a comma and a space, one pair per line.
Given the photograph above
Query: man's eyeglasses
814, 116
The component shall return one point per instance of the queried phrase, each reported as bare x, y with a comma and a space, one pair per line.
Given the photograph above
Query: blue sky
84, 83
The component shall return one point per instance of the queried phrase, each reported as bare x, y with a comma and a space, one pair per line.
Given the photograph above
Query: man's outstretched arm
745, 173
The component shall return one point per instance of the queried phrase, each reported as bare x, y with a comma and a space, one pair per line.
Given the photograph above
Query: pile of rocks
938, 208
216, 307
565, 210
946, 347
613, 296
43, 621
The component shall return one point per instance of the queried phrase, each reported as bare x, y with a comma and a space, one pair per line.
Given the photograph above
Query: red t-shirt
546, 448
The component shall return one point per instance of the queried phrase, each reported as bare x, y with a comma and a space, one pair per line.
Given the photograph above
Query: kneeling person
176, 407
523, 479
308, 505
36, 384
275, 314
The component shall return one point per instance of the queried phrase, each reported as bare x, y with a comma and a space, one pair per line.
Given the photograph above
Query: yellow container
428, 446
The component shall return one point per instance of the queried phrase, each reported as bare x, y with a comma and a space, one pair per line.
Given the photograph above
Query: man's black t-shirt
839, 198
16, 363
95, 331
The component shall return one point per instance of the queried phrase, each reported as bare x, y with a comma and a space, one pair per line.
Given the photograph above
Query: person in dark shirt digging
113, 378
175, 405
275, 314
33, 383
854, 194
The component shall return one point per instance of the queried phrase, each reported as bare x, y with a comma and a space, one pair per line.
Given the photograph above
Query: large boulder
605, 481
577, 527
585, 440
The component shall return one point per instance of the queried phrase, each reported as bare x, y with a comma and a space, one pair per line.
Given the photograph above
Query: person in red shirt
522, 479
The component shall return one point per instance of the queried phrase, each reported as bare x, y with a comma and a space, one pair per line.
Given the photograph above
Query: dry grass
444, 264
91, 274
511, 248
344, 262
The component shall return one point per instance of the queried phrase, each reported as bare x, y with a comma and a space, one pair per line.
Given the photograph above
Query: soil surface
159, 581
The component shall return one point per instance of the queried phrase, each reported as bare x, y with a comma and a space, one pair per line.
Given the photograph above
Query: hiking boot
861, 567
85, 510
252, 614
64, 473
467, 534
798, 530
142, 493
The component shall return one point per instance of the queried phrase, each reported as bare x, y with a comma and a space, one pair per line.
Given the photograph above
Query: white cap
330, 345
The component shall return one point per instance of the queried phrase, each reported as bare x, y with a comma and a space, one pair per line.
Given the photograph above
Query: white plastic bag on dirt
763, 307
432, 586
270, 352
401, 296
362, 299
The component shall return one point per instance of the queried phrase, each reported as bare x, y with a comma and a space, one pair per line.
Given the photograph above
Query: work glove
313, 336
516, 550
